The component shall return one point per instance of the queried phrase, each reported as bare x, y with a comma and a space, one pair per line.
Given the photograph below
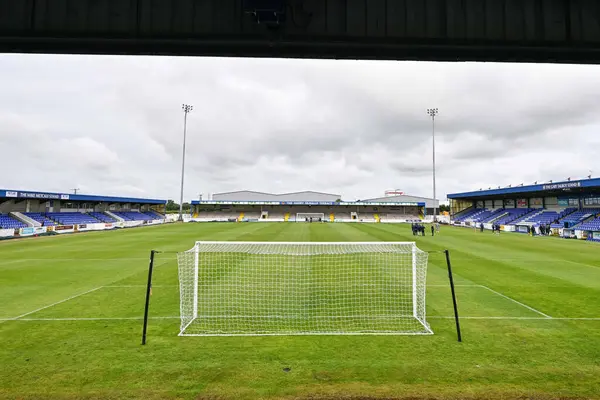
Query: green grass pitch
71, 307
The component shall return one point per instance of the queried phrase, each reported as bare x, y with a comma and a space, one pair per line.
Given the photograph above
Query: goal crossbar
302, 288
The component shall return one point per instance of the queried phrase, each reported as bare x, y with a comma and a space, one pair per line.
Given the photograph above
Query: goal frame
414, 288
149, 293
311, 215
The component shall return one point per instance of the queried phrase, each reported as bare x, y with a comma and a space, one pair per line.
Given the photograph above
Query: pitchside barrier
302, 288
62, 229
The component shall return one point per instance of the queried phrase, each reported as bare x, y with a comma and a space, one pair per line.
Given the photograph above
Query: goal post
302, 288
301, 217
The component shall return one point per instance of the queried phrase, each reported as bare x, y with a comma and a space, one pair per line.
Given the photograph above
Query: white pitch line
88, 319
54, 304
515, 301
429, 317
458, 285
133, 286
77, 259
519, 318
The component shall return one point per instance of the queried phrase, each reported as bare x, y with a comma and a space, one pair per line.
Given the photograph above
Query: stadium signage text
307, 203
36, 195
562, 186
39, 195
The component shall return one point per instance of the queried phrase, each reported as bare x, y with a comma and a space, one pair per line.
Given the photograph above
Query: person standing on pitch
432, 230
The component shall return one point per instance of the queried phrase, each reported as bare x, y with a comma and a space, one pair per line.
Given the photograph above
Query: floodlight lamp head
432, 112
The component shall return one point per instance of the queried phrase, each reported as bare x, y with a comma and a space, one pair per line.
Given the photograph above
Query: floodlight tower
433, 112
186, 110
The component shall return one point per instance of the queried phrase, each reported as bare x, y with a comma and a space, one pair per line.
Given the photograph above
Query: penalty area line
53, 304
517, 302
134, 286
89, 319
519, 318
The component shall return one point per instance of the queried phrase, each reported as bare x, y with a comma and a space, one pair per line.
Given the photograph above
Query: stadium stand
8, 222
486, 215
154, 214
493, 215
576, 217
512, 214
249, 216
469, 214
133, 216
590, 225
342, 217
545, 217
71, 218
41, 218
531, 212
103, 217
391, 217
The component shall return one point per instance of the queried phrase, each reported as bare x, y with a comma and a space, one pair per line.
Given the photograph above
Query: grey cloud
113, 124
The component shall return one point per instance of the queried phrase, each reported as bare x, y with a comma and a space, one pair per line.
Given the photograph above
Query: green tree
172, 206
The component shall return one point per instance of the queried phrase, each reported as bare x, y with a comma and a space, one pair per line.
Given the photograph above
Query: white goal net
310, 288
303, 217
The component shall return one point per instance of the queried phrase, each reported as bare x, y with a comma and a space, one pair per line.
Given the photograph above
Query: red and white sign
395, 192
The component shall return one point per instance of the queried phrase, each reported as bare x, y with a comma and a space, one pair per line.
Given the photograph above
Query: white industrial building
430, 204
247, 205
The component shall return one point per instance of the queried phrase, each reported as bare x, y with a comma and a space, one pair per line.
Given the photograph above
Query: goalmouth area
72, 308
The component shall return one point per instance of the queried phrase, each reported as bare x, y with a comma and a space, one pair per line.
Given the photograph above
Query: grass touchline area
71, 318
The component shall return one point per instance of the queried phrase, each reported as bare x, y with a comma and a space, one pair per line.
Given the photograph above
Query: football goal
314, 217
308, 288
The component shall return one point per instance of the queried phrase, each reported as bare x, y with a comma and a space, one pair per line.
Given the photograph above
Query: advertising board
7, 233
64, 229
26, 232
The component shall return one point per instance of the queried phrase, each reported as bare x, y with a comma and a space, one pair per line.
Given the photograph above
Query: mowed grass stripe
500, 358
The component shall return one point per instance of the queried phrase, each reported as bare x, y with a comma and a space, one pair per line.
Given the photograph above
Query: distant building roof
399, 197
26, 194
274, 194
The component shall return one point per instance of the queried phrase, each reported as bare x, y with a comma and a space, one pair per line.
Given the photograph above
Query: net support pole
414, 281
148, 291
450, 277
196, 257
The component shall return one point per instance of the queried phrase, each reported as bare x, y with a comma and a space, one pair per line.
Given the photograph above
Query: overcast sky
113, 125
